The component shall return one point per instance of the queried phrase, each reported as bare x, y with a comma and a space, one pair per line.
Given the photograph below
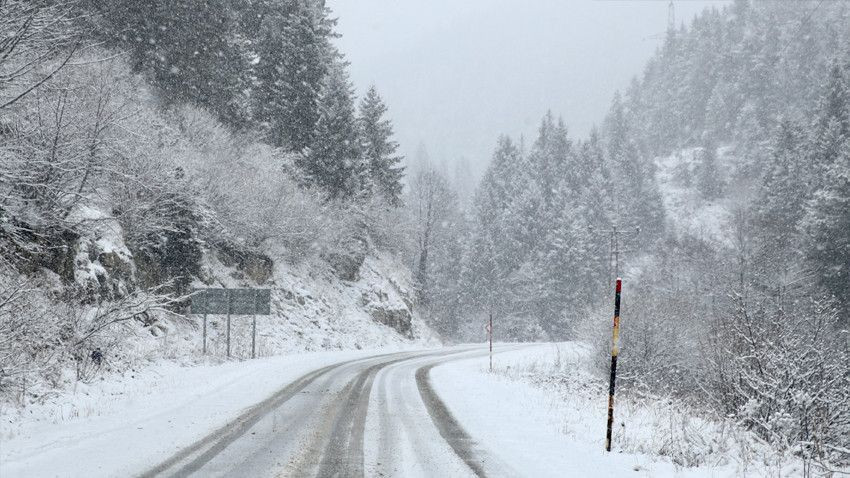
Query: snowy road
415, 413
377, 416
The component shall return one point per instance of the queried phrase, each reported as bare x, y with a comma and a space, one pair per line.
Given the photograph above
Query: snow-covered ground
539, 413
545, 422
129, 424
687, 211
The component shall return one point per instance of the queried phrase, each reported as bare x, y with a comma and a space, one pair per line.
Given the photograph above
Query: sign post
254, 337
229, 307
251, 302
615, 351
490, 335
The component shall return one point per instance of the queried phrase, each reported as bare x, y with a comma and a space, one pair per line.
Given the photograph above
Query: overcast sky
457, 73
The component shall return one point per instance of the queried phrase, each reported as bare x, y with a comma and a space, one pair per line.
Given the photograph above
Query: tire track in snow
480, 461
194, 457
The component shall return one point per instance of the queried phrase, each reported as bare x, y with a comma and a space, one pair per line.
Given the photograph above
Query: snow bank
545, 415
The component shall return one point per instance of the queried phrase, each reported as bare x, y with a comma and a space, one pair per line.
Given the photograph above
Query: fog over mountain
458, 74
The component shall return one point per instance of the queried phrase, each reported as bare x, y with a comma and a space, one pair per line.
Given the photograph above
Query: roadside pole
254, 337
228, 324
490, 334
615, 351
205, 335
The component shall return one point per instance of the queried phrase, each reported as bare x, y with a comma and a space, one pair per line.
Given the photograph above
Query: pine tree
832, 129
379, 149
828, 225
709, 180
637, 199
186, 46
293, 55
780, 207
334, 162
835, 107
497, 228
549, 155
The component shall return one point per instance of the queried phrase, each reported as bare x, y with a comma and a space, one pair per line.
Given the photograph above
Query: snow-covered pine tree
485, 263
832, 127
335, 162
828, 226
293, 55
709, 177
379, 148
635, 193
186, 46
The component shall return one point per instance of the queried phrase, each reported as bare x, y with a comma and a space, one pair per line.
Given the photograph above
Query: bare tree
37, 40
433, 204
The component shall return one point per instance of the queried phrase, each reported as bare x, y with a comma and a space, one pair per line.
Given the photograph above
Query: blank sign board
231, 301
243, 301
264, 300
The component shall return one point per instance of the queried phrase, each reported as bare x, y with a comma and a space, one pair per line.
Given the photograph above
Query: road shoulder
525, 426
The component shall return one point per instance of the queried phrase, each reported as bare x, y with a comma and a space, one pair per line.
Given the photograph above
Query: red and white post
615, 351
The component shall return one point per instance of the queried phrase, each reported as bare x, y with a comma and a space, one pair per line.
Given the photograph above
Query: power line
614, 247
800, 27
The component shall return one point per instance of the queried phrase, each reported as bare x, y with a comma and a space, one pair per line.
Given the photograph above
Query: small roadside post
205, 335
229, 307
615, 351
254, 336
490, 334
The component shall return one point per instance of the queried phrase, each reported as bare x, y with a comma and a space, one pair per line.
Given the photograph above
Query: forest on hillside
140, 139
231, 127
725, 170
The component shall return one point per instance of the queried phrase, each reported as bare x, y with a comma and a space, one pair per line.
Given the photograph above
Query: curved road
377, 416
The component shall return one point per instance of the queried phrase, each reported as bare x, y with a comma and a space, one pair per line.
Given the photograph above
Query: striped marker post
615, 350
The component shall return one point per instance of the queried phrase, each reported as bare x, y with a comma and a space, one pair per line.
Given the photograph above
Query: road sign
232, 301
264, 300
243, 301
210, 301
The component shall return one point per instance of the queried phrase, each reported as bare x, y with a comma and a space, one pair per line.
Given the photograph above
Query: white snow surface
121, 427
688, 213
125, 426
542, 430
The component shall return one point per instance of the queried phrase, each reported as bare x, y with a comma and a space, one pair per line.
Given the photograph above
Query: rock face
258, 267
104, 269
398, 319
31, 249
347, 263
386, 306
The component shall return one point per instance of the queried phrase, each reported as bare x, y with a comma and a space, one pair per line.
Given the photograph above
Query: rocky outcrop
256, 266
388, 310
398, 319
103, 269
346, 263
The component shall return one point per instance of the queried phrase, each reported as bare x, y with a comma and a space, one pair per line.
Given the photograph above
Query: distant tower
671, 25
671, 17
